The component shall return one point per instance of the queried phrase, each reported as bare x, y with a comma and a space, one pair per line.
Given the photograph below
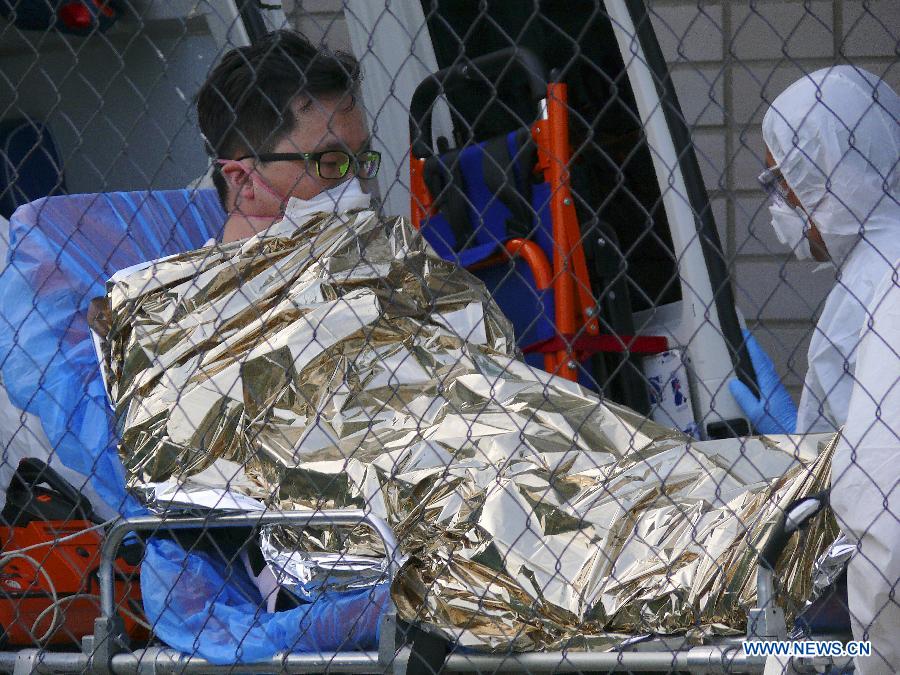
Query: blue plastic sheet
62, 252
213, 610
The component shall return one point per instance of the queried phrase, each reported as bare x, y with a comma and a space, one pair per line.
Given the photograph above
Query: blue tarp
203, 605
62, 252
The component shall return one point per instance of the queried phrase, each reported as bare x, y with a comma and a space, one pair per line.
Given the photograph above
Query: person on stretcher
330, 358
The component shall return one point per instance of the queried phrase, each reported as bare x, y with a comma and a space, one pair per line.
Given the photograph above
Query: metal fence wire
419, 337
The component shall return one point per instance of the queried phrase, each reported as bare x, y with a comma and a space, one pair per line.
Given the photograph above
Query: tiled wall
320, 19
729, 60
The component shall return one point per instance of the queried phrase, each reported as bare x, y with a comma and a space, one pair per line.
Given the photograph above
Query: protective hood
835, 137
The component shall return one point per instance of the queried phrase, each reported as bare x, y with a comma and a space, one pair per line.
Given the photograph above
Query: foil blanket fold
341, 363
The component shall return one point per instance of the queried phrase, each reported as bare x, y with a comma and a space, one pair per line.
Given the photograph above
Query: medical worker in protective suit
833, 171
832, 148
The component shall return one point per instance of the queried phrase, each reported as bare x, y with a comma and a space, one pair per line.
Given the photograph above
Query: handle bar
791, 520
484, 68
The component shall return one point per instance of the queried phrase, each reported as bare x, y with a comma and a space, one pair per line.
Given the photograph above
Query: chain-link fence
435, 336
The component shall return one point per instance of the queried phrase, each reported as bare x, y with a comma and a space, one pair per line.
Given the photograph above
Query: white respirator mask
790, 227
344, 197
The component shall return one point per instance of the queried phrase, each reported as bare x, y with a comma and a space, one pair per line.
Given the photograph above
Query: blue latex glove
774, 412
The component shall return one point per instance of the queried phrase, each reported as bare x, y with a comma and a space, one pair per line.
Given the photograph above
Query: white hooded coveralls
834, 135
865, 477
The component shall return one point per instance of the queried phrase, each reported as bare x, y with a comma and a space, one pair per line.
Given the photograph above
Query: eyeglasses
773, 183
330, 164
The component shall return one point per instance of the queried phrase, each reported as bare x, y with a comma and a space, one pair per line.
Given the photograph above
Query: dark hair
244, 105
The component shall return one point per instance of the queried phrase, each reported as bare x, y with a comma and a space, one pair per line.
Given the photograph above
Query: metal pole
162, 660
709, 659
765, 594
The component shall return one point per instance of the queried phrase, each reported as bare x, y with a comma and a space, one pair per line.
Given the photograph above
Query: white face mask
344, 197
790, 228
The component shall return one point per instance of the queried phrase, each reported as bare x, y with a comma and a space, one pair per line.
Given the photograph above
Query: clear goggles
773, 182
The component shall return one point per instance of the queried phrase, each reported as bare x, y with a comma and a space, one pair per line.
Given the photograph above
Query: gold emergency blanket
342, 363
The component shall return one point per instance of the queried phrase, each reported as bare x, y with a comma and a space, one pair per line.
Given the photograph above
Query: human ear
238, 178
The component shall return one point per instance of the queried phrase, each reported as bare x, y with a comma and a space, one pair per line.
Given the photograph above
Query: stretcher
105, 221
404, 648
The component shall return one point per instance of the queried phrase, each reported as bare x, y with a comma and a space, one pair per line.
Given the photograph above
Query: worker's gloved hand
774, 411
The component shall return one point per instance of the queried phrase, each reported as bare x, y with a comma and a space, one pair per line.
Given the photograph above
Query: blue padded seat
485, 195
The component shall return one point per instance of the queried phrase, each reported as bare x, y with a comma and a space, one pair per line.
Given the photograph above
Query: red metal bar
560, 157
419, 195
586, 345
537, 262
572, 290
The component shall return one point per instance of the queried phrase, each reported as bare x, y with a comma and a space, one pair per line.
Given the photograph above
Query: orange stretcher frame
575, 310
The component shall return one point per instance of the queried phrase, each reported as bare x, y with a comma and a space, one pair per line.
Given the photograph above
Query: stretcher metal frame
405, 649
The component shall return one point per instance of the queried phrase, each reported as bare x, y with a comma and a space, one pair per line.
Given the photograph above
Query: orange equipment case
49, 590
